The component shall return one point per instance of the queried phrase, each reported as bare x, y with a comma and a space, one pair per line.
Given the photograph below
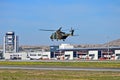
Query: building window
32, 54
39, 54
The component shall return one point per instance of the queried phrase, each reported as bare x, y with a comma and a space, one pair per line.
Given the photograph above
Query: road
58, 68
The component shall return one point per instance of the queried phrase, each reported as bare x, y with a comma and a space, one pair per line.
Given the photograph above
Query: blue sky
93, 20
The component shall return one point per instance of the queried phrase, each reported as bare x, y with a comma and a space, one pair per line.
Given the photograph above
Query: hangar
68, 52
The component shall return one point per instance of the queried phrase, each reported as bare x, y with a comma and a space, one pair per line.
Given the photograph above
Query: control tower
10, 44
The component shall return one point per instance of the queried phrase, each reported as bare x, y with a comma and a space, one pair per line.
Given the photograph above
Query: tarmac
60, 68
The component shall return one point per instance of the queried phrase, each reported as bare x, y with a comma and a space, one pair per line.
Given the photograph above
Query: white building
16, 56
117, 54
66, 46
93, 55
27, 56
68, 55
39, 55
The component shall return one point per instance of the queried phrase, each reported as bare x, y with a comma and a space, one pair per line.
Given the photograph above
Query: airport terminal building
57, 52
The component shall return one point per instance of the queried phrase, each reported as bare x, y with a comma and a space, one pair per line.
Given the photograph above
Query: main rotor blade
46, 30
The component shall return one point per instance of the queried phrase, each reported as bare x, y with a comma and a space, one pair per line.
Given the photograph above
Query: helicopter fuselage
59, 36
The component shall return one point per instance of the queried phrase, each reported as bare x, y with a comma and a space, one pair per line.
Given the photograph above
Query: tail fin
60, 29
72, 32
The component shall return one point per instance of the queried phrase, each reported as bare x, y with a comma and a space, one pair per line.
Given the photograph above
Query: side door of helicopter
53, 36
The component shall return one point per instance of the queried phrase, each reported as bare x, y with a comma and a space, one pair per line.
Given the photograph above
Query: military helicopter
59, 34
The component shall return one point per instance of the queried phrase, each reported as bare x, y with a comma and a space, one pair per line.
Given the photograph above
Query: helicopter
59, 34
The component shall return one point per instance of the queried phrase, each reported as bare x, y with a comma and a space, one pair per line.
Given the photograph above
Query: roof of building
102, 48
